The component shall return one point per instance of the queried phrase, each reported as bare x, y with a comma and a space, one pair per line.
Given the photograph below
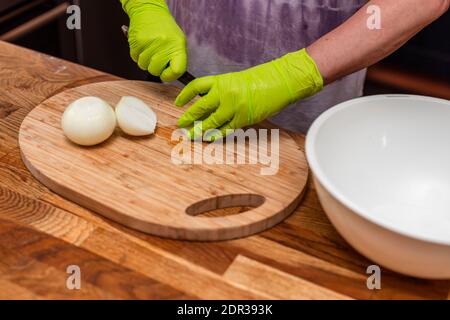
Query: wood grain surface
136, 182
41, 233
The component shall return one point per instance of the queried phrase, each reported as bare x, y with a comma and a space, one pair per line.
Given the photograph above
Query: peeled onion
88, 121
135, 117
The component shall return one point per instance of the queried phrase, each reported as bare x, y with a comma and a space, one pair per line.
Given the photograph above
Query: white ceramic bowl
381, 167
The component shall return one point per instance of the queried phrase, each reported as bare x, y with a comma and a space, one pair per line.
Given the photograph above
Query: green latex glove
157, 43
237, 100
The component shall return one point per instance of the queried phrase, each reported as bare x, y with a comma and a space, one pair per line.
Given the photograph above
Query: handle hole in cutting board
225, 205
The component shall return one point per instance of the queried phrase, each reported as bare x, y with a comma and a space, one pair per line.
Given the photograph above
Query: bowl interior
388, 159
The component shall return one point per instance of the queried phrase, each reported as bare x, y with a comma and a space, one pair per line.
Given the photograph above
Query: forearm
353, 46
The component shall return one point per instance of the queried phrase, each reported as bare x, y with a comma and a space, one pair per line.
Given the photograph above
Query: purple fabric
231, 35
252, 31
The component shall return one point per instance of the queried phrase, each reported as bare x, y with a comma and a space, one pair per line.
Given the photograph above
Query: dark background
422, 66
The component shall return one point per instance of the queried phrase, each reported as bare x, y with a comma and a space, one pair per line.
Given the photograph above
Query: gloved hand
157, 43
240, 99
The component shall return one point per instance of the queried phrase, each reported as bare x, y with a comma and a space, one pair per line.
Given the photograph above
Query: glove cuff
301, 74
132, 6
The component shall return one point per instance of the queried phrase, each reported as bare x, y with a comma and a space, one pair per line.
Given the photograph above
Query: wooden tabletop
41, 234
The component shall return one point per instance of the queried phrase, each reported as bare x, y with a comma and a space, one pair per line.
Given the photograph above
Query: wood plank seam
179, 263
276, 283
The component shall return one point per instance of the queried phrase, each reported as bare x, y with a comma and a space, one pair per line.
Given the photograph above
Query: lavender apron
232, 35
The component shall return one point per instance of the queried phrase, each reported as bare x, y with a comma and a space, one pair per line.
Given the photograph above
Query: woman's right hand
157, 43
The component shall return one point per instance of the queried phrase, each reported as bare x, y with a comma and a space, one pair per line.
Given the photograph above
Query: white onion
88, 121
135, 117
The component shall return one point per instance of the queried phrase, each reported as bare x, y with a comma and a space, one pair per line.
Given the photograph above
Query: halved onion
135, 117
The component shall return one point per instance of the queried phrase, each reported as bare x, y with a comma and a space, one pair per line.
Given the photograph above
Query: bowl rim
333, 190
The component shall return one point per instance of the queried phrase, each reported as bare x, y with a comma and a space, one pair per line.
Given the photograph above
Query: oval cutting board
135, 182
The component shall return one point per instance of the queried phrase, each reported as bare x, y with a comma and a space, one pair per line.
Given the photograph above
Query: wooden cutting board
135, 182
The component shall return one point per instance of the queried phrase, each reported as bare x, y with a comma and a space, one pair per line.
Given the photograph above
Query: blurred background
420, 67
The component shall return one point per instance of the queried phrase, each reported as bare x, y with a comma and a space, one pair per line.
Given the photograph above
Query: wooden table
41, 234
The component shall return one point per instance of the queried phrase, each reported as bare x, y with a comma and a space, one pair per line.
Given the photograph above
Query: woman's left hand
236, 100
